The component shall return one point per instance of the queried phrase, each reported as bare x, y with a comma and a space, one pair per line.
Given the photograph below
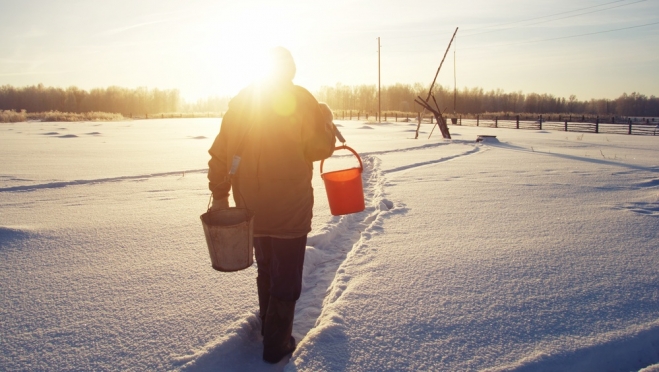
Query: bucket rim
249, 215
322, 175
217, 268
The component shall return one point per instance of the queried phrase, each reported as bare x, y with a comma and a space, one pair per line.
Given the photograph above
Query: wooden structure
425, 103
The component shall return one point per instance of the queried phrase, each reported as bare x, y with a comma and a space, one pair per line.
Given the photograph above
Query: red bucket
345, 192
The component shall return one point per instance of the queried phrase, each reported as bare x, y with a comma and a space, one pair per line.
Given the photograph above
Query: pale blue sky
593, 49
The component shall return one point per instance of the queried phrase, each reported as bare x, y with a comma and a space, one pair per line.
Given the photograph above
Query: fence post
613, 119
597, 124
566, 125
460, 119
396, 117
477, 119
517, 119
540, 122
385, 116
629, 121
496, 122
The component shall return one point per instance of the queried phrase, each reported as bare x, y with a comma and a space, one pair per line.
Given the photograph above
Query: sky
592, 49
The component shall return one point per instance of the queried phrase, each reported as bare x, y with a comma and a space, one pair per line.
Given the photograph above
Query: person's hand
219, 204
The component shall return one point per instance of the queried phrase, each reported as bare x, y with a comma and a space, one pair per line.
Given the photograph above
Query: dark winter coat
283, 132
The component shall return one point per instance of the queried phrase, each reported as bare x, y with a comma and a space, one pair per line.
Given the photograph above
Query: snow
531, 251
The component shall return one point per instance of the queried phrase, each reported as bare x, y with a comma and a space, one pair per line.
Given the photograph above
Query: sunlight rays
243, 40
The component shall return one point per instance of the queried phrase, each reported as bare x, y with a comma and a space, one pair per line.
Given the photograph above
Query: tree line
472, 101
364, 98
127, 102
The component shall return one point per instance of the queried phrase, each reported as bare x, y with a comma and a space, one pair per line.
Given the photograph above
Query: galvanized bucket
229, 236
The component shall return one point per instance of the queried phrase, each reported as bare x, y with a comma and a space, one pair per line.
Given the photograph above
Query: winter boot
277, 339
263, 287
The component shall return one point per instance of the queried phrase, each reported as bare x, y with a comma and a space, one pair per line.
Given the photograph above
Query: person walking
277, 130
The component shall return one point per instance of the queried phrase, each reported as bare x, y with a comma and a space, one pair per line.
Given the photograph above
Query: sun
244, 41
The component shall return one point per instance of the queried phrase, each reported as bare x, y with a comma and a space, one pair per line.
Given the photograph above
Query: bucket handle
344, 147
226, 179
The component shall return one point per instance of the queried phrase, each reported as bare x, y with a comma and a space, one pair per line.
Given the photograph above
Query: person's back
282, 132
278, 131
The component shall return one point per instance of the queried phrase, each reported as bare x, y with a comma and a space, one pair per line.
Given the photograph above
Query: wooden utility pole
379, 96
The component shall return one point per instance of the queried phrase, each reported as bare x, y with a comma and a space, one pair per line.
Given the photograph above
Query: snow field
533, 251
505, 263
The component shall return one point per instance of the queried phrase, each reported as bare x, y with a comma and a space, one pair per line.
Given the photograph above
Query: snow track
329, 249
429, 162
59, 184
323, 281
324, 278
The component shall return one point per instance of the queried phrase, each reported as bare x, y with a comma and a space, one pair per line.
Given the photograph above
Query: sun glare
245, 40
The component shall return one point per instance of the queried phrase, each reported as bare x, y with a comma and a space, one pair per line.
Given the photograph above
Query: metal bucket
229, 236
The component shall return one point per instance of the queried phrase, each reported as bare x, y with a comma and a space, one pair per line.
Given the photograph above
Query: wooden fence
566, 123
631, 127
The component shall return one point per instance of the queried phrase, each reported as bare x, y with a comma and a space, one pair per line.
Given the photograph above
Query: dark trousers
280, 263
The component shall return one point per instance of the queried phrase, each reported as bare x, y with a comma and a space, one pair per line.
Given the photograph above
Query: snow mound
8, 234
628, 350
487, 138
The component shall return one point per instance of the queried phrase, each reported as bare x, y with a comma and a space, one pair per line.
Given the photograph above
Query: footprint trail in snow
240, 345
324, 280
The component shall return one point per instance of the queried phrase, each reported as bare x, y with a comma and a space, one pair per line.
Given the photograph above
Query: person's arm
218, 182
318, 133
